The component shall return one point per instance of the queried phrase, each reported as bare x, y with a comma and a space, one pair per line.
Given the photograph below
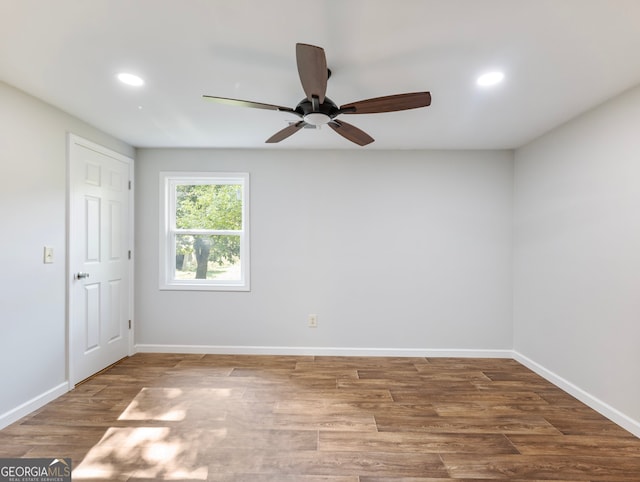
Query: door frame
71, 140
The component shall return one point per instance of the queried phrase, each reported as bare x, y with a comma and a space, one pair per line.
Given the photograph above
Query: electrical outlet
48, 254
313, 321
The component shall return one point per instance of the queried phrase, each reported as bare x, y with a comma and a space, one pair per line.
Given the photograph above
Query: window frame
168, 231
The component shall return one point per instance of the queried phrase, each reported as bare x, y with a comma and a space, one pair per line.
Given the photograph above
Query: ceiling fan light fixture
490, 78
316, 118
130, 79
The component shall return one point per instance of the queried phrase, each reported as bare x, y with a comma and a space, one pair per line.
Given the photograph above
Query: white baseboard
35, 403
322, 351
598, 405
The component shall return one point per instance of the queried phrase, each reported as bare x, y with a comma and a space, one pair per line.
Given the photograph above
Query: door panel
99, 240
92, 317
115, 221
114, 330
92, 229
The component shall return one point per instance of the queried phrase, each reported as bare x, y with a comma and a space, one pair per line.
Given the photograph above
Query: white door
99, 258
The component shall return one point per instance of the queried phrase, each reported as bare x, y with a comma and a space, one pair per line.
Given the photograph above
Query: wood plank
431, 479
306, 421
583, 426
364, 363
329, 463
482, 364
415, 443
355, 408
471, 425
584, 445
404, 384
572, 467
314, 394
467, 396
491, 409
279, 478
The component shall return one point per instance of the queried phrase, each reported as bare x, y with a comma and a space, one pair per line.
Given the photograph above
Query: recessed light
490, 78
130, 79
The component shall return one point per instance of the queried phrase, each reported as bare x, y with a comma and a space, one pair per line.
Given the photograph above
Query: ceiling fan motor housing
324, 113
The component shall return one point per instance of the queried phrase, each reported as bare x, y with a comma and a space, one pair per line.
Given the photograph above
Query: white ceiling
560, 58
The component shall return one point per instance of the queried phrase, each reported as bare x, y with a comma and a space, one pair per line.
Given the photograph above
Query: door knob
81, 275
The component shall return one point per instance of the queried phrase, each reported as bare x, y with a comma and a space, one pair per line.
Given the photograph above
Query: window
204, 238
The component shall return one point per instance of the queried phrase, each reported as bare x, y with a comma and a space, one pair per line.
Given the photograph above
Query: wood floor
330, 419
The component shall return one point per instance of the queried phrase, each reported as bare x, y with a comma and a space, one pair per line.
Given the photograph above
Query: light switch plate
48, 255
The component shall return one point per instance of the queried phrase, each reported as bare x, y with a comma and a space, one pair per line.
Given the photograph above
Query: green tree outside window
208, 207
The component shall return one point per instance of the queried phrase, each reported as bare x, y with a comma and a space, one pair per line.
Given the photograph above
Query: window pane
209, 206
206, 231
213, 257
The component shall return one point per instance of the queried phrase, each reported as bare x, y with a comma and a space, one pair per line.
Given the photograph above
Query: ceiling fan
317, 109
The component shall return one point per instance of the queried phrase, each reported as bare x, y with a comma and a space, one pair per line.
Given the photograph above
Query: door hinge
129, 185
129, 324
129, 254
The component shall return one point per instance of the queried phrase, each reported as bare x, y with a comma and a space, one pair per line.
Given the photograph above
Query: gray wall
577, 255
392, 250
33, 170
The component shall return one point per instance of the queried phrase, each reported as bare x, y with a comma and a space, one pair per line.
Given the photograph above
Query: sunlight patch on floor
159, 452
171, 404
144, 452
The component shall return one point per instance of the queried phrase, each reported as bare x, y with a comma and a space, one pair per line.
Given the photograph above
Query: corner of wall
32, 405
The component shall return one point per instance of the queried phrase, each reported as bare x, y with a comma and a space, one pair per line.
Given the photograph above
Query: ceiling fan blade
312, 69
351, 133
286, 132
248, 103
389, 103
